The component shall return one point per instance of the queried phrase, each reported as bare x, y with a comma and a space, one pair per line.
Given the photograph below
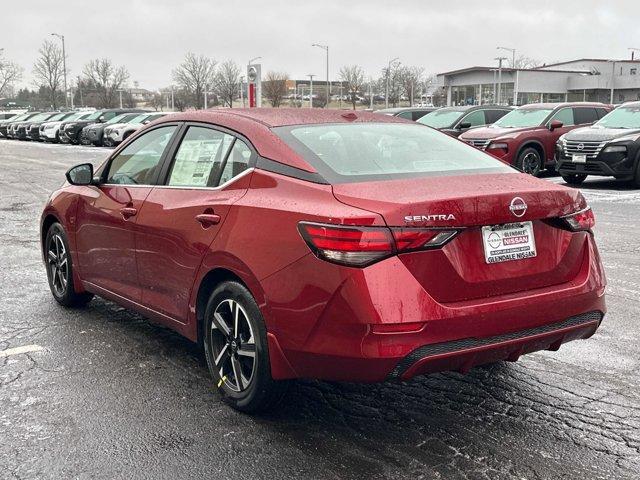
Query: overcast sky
150, 37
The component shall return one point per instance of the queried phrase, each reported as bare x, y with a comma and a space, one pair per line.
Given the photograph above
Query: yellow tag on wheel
221, 381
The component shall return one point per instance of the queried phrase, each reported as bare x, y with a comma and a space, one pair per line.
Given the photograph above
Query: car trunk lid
458, 271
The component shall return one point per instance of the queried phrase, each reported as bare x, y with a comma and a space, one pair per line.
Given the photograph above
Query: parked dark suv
457, 120
70, 131
527, 136
410, 113
610, 147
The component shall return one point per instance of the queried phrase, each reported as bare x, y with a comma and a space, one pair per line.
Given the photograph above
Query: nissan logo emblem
518, 207
580, 146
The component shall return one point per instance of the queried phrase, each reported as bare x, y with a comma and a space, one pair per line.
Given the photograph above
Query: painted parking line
19, 350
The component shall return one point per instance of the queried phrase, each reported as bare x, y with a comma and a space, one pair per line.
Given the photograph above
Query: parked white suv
50, 131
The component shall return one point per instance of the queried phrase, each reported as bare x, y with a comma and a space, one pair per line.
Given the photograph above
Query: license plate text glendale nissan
307, 243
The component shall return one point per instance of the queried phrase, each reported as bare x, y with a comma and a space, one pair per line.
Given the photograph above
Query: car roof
280, 117
256, 125
561, 104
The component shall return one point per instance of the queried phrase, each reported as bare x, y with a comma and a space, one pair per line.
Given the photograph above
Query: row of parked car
99, 127
576, 139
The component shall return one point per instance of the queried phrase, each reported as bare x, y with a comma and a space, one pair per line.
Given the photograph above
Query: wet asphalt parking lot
105, 394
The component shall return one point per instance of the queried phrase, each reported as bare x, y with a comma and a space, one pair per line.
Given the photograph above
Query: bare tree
194, 74
274, 87
156, 101
525, 62
10, 73
48, 71
353, 77
395, 75
411, 78
225, 82
107, 79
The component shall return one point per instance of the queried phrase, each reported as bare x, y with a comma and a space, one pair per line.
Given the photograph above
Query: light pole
513, 54
326, 49
386, 90
311, 75
64, 66
633, 51
241, 90
120, 91
500, 59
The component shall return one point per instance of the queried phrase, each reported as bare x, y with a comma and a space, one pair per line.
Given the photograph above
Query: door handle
128, 212
208, 219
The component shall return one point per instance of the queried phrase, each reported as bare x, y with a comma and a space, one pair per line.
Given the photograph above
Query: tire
239, 349
60, 269
529, 161
574, 178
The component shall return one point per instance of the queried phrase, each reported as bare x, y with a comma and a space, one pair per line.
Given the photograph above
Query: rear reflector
397, 327
362, 246
582, 220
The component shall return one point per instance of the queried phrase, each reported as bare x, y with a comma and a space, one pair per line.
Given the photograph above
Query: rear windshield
524, 117
622, 117
379, 151
441, 118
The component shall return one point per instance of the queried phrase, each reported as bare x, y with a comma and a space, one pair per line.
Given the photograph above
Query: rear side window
474, 118
584, 115
237, 161
406, 115
494, 115
382, 151
418, 114
199, 158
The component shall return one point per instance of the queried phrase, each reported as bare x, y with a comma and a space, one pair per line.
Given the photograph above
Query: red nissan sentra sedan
325, 244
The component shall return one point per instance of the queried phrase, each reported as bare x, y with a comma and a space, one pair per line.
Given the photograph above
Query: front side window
383, 151
199, 159
406, 115
138, 163
524, 117
564, 115
474, 118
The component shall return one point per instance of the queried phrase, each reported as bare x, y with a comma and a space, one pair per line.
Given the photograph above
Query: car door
204, 176
107, 213
564, 115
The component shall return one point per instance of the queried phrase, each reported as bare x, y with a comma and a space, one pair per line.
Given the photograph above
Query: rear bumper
334, 336
462, 355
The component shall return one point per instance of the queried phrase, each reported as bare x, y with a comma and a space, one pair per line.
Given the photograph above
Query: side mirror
101, 118
80, 174
464, 125
555, 124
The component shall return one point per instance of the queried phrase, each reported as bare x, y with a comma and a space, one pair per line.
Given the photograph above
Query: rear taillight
580, 221
361, 246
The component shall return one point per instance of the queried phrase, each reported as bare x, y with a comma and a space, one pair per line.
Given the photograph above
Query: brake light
355, 246
361, 246
580, 221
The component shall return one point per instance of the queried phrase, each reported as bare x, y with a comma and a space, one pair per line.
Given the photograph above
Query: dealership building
599, 80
